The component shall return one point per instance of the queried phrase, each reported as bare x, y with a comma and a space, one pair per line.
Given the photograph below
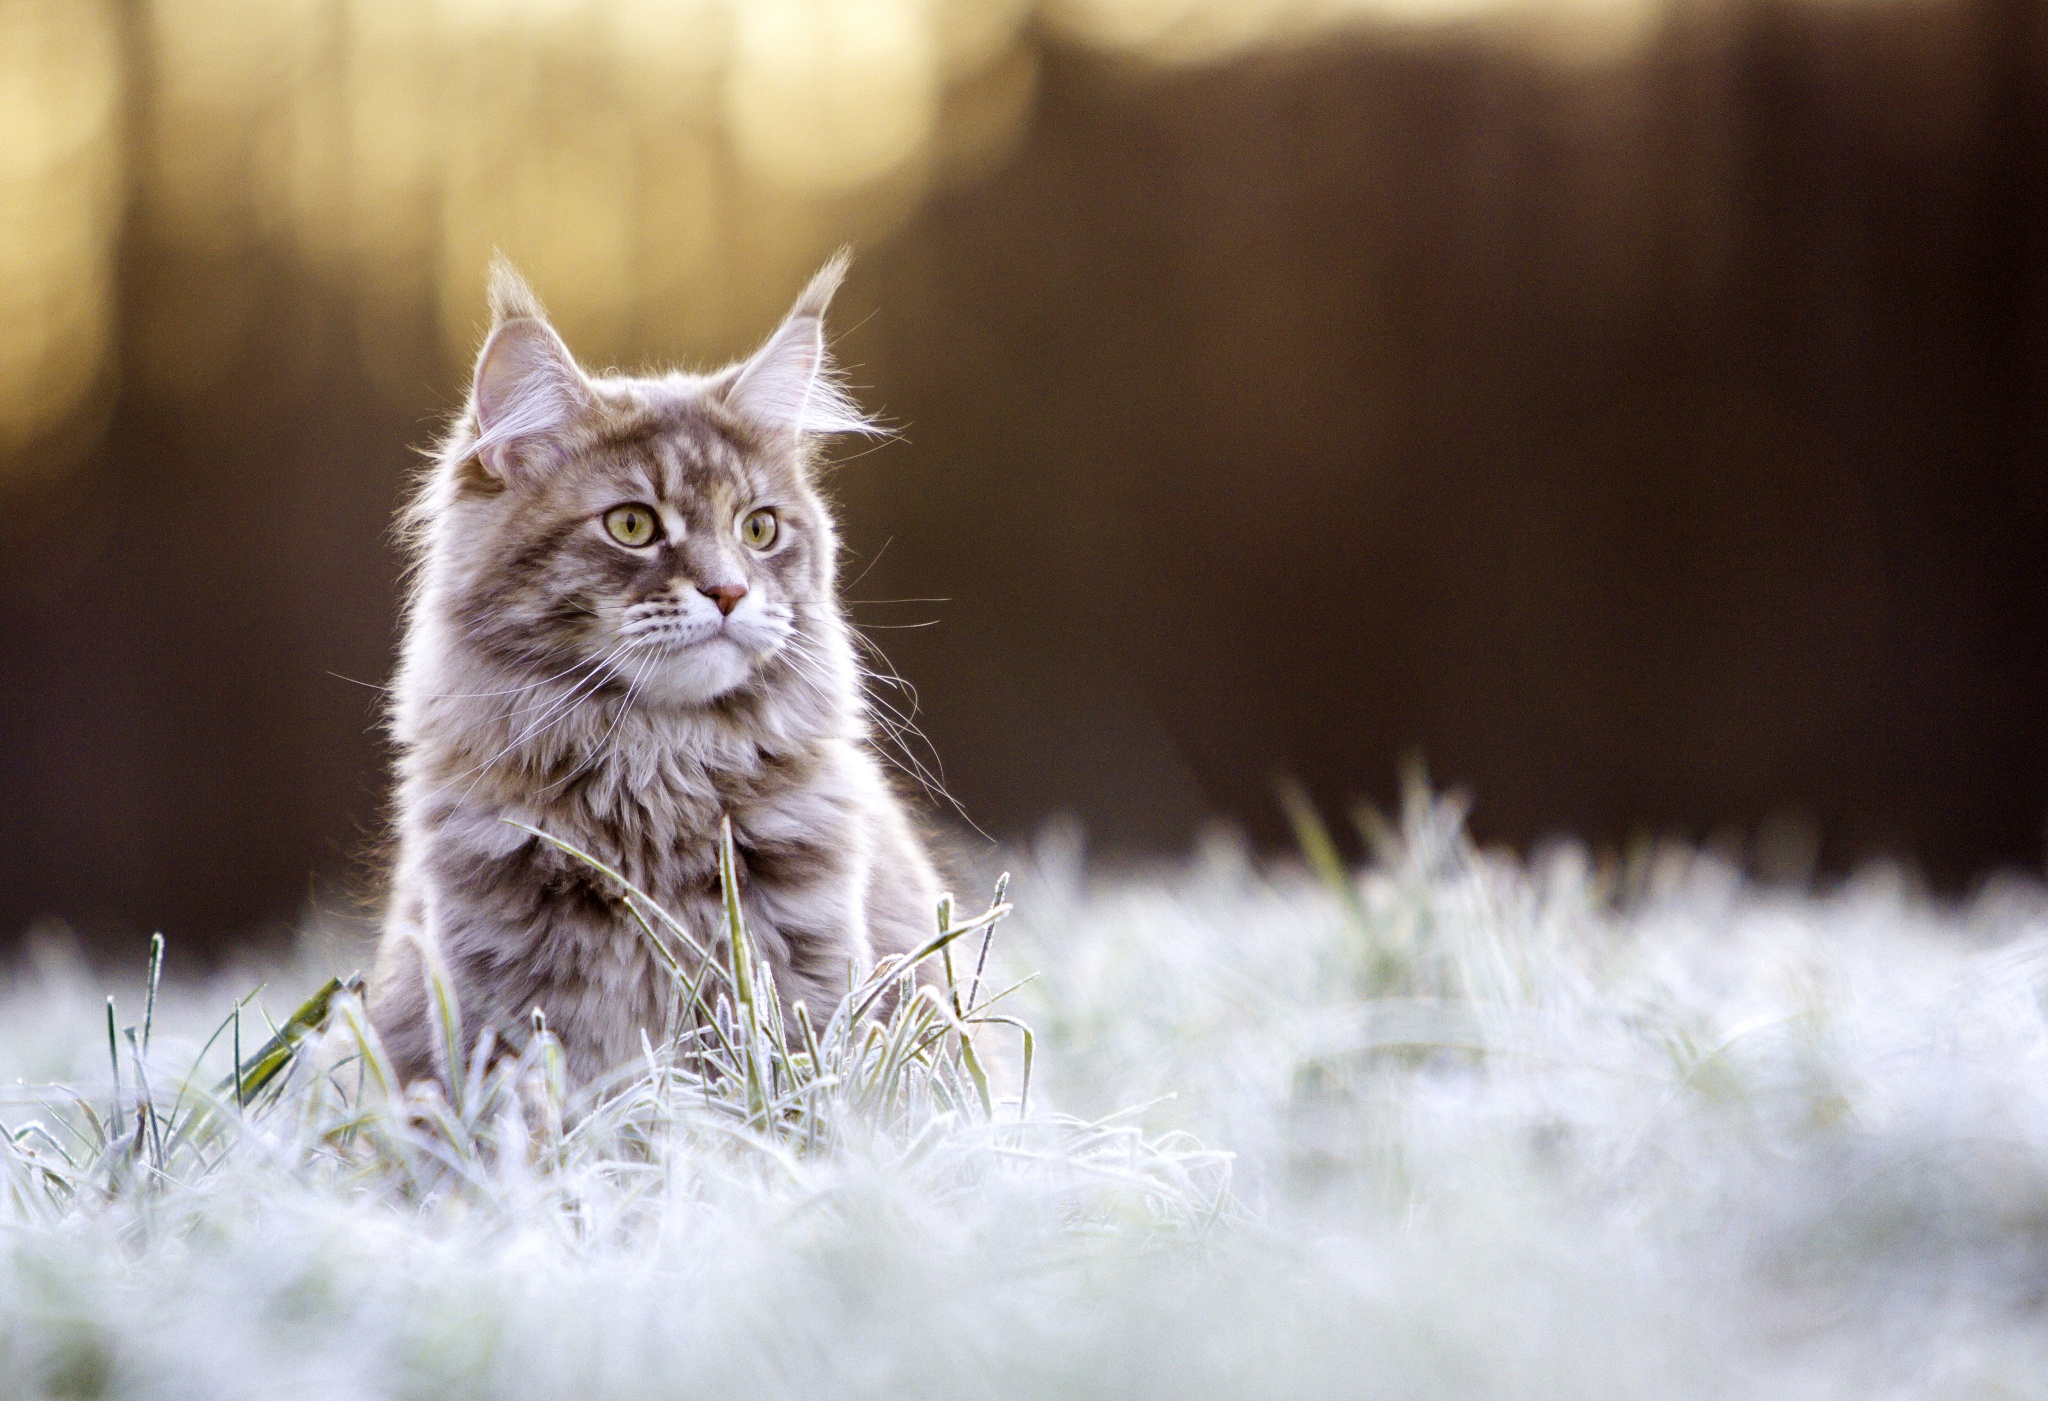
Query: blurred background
1635, 407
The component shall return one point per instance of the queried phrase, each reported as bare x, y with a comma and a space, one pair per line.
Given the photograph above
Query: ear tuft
818, 293
511, 298
527, 385
790, 385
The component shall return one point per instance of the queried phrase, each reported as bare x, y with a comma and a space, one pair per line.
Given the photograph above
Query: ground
1451, 1125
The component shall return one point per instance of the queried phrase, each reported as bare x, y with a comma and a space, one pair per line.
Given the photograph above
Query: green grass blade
156, 973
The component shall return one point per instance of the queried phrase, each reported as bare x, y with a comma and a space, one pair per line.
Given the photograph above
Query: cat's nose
726, 596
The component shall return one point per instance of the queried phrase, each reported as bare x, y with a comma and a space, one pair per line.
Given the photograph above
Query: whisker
541, 723
873, 562
857, 456
468, 695
894, 747
892, 676
531, 652
647, 666
512, 691
579, 691
873, 646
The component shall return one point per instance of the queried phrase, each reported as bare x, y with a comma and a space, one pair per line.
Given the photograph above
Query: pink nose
726, 596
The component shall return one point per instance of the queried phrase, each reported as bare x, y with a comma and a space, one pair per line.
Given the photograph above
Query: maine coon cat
623, 625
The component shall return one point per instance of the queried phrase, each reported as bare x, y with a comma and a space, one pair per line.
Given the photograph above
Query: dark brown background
1654, 449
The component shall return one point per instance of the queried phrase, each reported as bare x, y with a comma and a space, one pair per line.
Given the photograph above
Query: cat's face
678, 559
657, 536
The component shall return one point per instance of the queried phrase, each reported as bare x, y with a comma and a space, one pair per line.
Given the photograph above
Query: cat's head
658, 533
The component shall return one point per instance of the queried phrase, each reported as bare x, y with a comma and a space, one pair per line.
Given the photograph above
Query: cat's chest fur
520, 923
652, 810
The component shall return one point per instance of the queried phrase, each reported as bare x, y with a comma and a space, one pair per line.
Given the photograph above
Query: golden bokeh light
667, 171
830, 95
664, 170
1206, 31
60, 168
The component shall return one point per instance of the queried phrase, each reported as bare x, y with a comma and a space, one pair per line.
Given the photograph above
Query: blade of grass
156, 973
114, 1059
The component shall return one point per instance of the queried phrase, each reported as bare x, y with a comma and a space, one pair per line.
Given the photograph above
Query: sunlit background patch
649, 161
666, 169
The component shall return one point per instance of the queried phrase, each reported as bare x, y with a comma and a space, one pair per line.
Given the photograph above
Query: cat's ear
789, 386
528, 389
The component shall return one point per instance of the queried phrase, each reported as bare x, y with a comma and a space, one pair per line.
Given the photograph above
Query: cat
622, 626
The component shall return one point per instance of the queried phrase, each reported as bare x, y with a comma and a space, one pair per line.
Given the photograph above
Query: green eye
631, 526
758, 529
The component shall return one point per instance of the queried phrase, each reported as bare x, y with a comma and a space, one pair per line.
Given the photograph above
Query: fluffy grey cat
623, 625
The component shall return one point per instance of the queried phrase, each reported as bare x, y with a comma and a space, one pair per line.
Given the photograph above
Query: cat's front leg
398, 1001
813, 933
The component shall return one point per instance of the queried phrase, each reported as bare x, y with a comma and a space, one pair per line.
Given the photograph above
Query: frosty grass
1454, 1125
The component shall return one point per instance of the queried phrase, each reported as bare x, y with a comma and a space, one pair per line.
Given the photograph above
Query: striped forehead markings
712, 474
688, 458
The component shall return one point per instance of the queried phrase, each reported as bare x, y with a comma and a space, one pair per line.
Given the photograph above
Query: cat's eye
632, 526
758, 529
